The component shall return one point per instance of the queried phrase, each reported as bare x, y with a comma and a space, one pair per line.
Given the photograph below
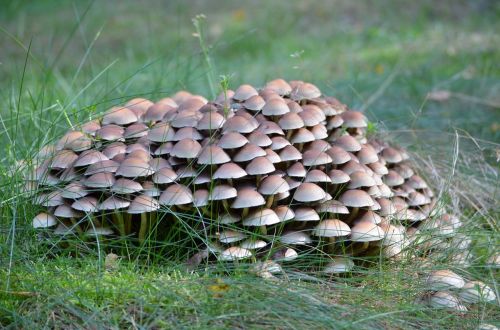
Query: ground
64, 62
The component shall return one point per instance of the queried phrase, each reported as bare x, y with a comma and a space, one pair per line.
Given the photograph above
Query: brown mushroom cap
110, 132
348, 143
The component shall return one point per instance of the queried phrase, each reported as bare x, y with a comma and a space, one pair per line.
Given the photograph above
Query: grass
63, 63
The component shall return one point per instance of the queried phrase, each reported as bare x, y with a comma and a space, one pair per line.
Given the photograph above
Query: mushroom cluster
272, 172
450, 290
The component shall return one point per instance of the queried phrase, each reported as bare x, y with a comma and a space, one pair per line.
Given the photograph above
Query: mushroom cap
308, 192
63, 159
229, 171
186, 148
65, 211
443, 299
317, 176
306, 214
360, 179
126, 186
231, 236
354, 119
44, 220
86, 204
290, 121
73, 140
338, 155
339, 265
211, 121
161, 132
366, 231
119, 116
113, 203
176, 194
284, 212
279, 86
315, 158
264, 217
253, 244
234, 253
445, 279
339, 176
110, 132
475, 292
392, 155
275, 107
238, 124
232, 140
212, 155
254, 103
164, 175
134, 167
102, 166
222, 192
260, 139
259, 166
244, 92
272, 185
74, 190
248, 152
248, 197
100, 180
295, 238
200, 197
289, 153
392, 178
348, 143
331, 228
356, 198
143, 204
332, 206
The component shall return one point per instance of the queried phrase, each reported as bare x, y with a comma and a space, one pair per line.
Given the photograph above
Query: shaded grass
66, 292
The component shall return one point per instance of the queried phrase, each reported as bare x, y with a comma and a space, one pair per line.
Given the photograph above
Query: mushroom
331, 229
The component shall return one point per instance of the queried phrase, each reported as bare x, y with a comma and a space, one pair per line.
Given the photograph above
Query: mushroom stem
75, 224
331, 244
289, 134
353, 214
144, 227
270, 201
263, 230
225, 204
244, 213
359, 248
118, 219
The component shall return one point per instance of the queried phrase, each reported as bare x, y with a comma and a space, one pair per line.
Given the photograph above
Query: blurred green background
383, 57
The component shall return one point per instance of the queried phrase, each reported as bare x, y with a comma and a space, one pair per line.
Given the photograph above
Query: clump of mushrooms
275, 172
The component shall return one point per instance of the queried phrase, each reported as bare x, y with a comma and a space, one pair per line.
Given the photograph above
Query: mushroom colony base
281, 173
